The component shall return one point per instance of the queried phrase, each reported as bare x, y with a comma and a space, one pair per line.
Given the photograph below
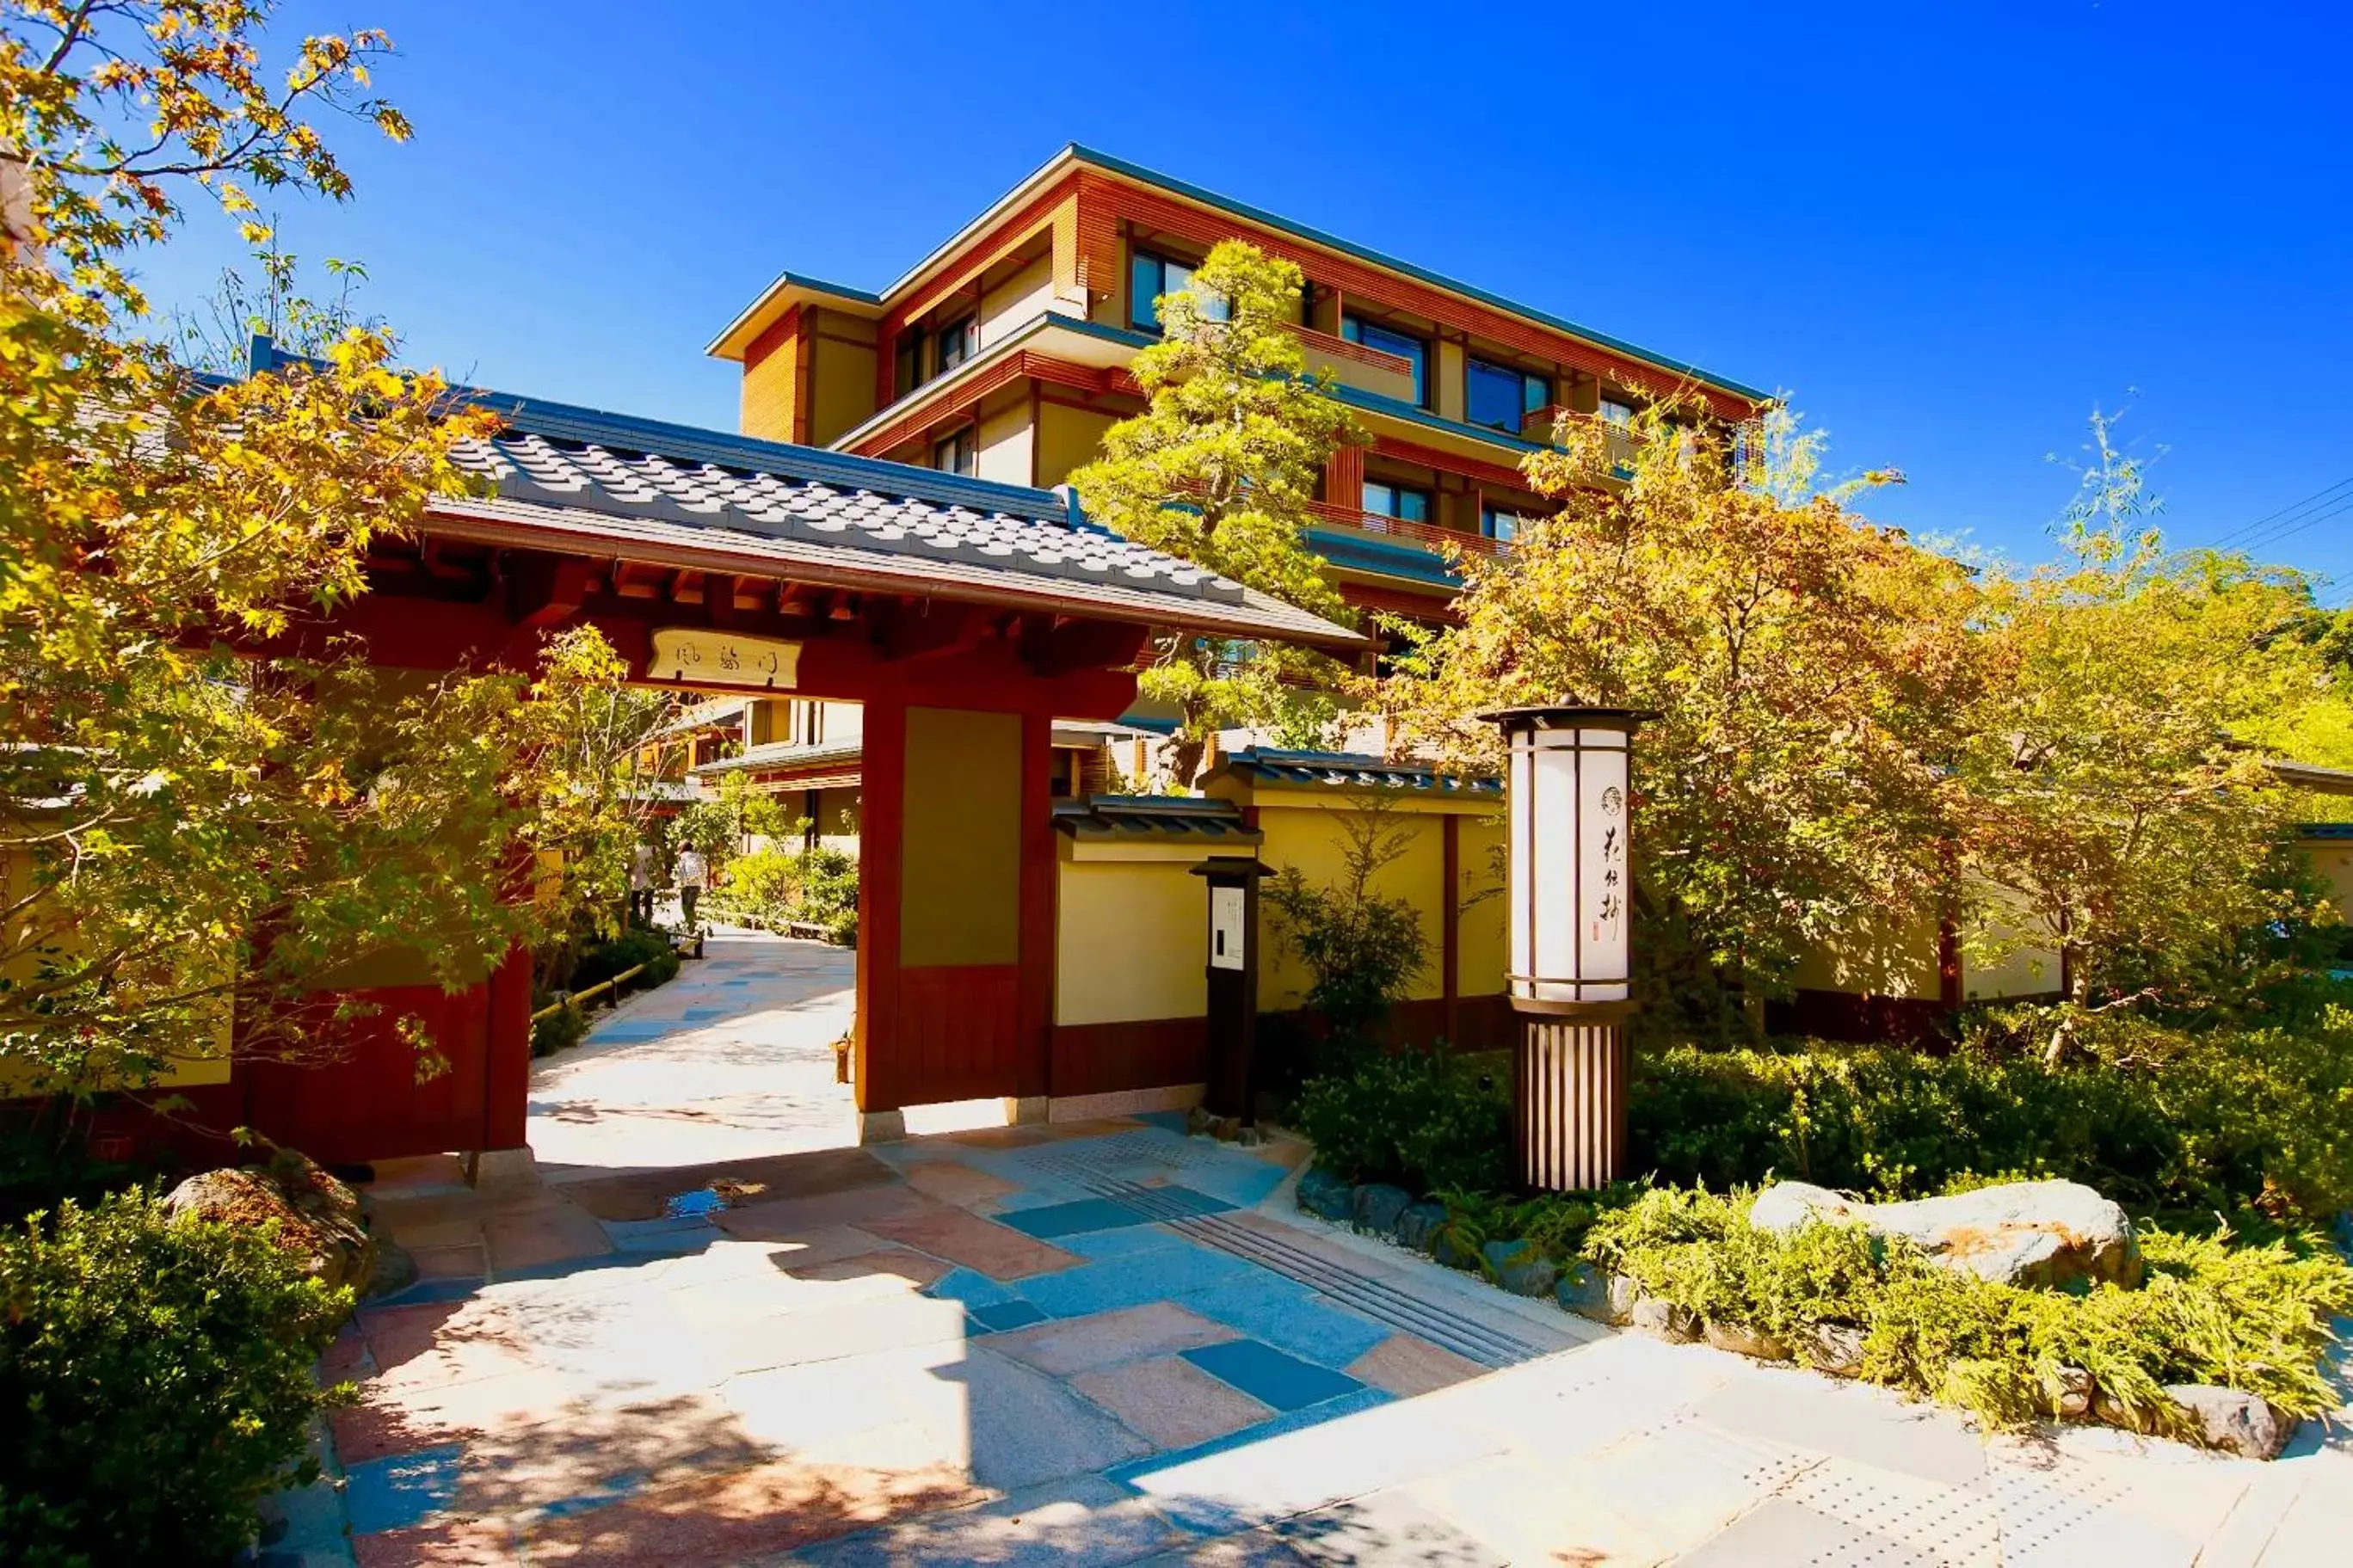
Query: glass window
1613, 412
909, 373
1389, 341
957, 453
959, 340
1501, 397
1399, 502
1499, 523
1149, 277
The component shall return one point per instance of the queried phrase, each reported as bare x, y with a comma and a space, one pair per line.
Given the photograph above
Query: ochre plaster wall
960, 878
841, 375
1066, 438
1131, 941
1020, 298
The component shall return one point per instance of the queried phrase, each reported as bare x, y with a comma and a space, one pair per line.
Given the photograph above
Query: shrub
1420, 1119
2173, 1123
763, 884
556, 1031
1361, 948
624, 952
830, 892
2250, 1317
158, 1379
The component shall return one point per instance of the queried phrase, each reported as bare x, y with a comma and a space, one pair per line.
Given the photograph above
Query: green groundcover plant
158, 1379
2250, 1317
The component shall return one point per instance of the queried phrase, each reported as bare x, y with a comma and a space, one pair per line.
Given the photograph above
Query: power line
2294, 526
2284, 513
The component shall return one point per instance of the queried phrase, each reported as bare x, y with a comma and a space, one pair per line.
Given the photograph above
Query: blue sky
1947, 231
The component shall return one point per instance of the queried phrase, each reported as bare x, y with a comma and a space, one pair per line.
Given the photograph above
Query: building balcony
1429, 536
1366, 369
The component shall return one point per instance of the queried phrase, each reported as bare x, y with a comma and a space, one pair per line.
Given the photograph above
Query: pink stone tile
998, 1251
787, 1219
531, 1238
1171, 1403
1407, 1364
1110, 1339
766, 1508
461, 1262
953, 1182
456, 1543
915, 1267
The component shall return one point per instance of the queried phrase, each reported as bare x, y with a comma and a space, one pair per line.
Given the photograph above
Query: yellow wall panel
960, 883
1131, 942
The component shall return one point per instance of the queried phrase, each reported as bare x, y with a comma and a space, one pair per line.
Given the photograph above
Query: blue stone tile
705, 1015
1173, 1120
629, 1033
402, 1491
1005, 1315
1238, 1179
1130, 1281
972, 1288
1288, 1316
1072, 1218
1271, 1377
1123, 1243
666, 1236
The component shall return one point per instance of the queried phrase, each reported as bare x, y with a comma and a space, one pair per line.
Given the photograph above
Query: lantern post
1567, 791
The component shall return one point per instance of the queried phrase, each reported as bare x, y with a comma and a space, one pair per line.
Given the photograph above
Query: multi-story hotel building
1003, 356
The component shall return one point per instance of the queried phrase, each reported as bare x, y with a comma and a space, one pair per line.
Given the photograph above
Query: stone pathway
1110, 1343
732, 1058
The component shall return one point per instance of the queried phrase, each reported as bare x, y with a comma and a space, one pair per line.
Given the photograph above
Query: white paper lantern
1568, 793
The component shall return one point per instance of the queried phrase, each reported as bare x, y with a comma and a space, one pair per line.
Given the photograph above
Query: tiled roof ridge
882, 510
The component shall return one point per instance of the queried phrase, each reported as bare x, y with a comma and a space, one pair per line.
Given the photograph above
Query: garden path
1110, 1343
732, 1059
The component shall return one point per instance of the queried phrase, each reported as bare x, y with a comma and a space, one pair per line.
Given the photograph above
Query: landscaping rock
1444, 1248
1655, 1315
2241, 1424
2020, 1233
318, 1217
1589, 1293
1836, 1349
1416, 1222
1520, 1268
1326, 1196
1378, 1205
395, 1270
2075, 1392
1742, 1340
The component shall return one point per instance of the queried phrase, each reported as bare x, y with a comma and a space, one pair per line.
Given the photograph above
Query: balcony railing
1317, 343
1430, 536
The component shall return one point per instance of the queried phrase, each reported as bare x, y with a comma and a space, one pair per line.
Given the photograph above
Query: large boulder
318, 1217
2241, 1424
2020, 1233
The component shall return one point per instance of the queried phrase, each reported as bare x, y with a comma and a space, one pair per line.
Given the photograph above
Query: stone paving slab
1067, 1345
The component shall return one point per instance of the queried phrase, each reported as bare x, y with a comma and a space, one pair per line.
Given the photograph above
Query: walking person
691, 872
641, 884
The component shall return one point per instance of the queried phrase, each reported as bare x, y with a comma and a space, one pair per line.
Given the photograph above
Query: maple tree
209, 803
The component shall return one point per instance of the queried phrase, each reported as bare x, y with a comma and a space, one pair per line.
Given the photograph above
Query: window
1613, 412
959, 340
1399, 502
1500, 523
1149, 277
910, 373
957, 453
1501, 396
1389, 341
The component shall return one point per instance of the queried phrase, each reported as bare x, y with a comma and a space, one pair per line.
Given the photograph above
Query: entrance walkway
1112, 1344
732, 1059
